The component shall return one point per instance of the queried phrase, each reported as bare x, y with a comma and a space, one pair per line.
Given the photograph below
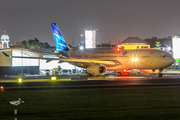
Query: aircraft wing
80, 61
109, 62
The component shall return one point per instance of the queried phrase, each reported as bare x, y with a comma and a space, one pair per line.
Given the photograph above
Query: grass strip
128, 103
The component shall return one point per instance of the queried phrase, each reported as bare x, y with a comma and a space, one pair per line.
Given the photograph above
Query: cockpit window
166, 56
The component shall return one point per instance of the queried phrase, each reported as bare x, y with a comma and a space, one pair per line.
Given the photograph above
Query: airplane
98, 60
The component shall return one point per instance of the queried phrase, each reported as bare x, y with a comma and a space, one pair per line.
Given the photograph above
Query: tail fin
59, 40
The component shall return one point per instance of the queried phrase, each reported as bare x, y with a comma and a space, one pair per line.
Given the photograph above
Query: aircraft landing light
134, 59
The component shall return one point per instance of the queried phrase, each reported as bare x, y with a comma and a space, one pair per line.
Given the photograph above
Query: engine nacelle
149, 71
96, 69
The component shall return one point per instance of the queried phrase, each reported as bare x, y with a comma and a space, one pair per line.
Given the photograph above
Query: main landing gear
91, 75
160, 73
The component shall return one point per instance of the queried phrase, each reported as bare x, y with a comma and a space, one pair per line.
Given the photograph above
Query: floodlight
169, 48
132, 59
81, 48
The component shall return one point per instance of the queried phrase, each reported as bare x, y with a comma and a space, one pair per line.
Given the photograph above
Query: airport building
132, 43
175, 45
15, 66
90, 39
30, 66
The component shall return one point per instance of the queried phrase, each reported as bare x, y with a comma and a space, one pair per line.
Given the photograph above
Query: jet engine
96, 69
149, 71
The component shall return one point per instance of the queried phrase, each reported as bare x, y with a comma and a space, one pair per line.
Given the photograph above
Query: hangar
18, 66
15, 66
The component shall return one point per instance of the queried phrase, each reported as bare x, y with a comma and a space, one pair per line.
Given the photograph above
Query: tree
166, 42
33, 44
22, 43
151, 41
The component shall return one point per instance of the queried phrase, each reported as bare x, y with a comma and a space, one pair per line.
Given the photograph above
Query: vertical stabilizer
60, 42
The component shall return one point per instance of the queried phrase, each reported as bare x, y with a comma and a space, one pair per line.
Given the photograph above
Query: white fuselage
129, 59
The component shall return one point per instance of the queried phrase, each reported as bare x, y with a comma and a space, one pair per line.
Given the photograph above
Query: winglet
7, 55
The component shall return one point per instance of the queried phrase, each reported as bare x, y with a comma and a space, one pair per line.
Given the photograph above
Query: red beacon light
125, 70
118, 49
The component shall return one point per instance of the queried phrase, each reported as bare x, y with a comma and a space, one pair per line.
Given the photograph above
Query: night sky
115, 19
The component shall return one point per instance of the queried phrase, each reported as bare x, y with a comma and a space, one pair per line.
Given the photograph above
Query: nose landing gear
160, 73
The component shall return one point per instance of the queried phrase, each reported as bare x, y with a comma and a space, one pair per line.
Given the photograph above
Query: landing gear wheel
89, 75
160, 74
119, 73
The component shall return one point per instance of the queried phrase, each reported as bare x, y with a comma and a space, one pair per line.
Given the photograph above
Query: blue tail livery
59, 40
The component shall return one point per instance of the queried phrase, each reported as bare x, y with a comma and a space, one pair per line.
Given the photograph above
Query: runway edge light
53, 78
20, 80
2, 88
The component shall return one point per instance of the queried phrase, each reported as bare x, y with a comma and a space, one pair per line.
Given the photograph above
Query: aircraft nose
173, 60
